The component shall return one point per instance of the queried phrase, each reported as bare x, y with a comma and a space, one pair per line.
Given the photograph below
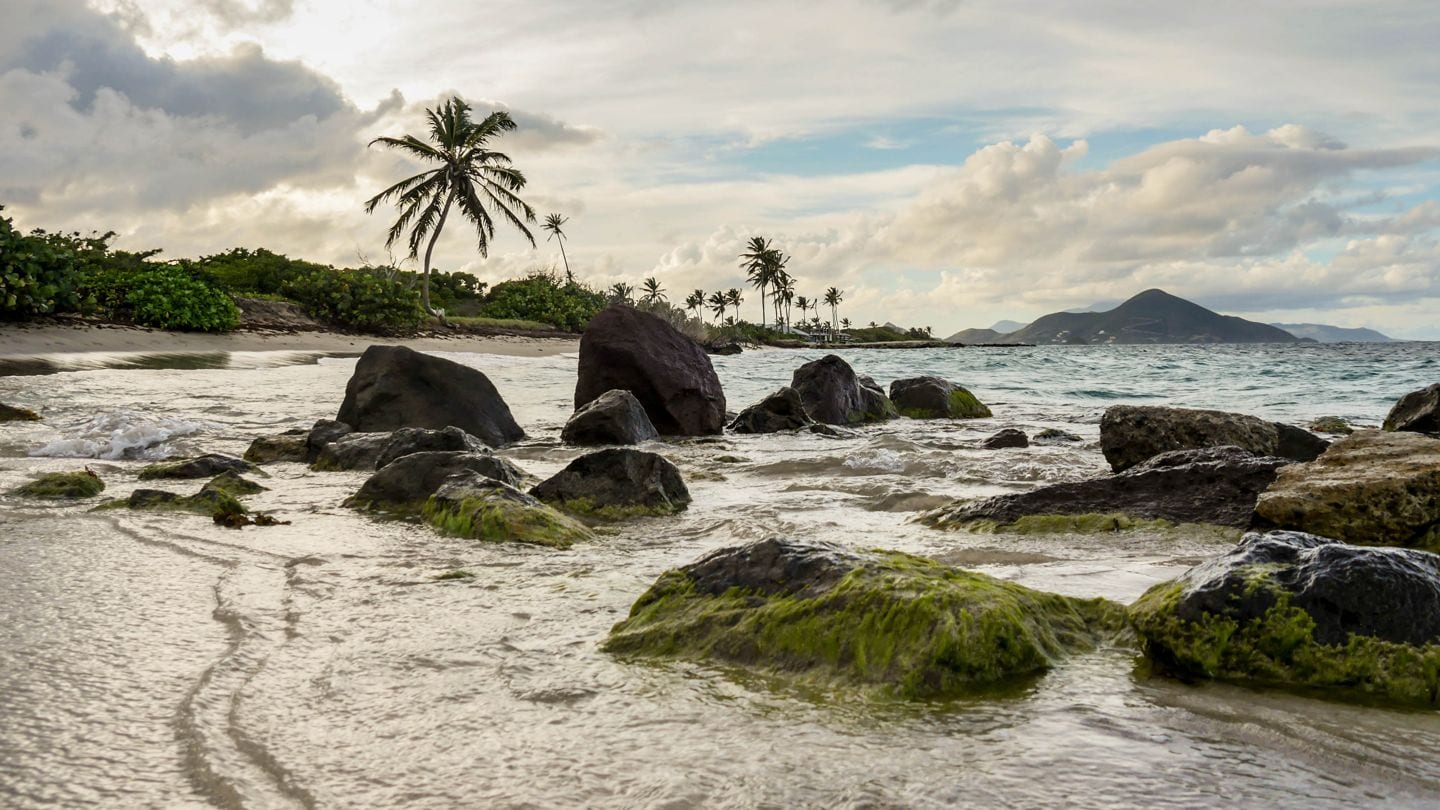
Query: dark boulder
353, 451
629, 350
782, 410
1006, 438
1056, 435
323, 433
288, 446
615, 417
405, 441
1129, 434
1417, 412
722, 346
206, 466
480, 508
14, 413
617, 483
1298, 609
834, 395
405, 483
1215, 485
935, 398
397, 387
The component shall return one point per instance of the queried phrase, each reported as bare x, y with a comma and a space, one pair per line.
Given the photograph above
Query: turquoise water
157, 660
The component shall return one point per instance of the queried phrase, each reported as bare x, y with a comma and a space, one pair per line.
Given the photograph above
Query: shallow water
157, 660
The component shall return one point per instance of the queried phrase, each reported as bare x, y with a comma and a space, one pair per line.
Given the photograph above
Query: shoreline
31, 340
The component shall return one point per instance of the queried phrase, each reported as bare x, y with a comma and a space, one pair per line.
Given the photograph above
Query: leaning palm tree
756, 262
833, 297
480, 182
779, 282
552, 224
653, 291
695, 301
844, 323
718, 302
735, 298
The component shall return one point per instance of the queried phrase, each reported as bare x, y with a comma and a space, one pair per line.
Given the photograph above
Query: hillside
1333, 334
974, 337
1153, 316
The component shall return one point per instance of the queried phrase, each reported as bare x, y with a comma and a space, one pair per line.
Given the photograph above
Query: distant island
1325, 333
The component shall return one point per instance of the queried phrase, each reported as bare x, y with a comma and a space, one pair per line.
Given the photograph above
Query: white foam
124, 435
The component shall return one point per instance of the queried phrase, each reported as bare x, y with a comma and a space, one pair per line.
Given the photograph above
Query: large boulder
834, 395
1215, 485
782, 410
405, 441
403, 485
1129, 434
1294, 609
352, 451
1417, 412
615, 417
1370, 487
206, 466
935, 398
397, 387
903, 625
480, 508
626, 349
616, 483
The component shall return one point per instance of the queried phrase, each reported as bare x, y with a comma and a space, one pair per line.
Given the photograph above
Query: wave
125, 435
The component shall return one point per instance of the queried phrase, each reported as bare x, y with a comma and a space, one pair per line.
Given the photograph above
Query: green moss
1279, 649
453, 574
499, 520
964, 405
585, 507
903, 625
1083, 523
235, 484
83, 484
14, 413
209, 502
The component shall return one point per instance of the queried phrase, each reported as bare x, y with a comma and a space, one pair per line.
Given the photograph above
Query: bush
253, 272
545, 298
356, 299
37, 273
165, 296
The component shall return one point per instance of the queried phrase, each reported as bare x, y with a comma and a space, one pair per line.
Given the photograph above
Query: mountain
1333, 334
1006, 327
973, 337
1153, 316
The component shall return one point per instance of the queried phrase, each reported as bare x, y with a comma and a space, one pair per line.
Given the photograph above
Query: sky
946, 163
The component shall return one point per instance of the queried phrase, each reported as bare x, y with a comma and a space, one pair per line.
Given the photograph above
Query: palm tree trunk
762, 306
425, 276
569, 279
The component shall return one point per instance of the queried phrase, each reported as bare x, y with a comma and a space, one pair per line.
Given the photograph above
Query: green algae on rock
906, 626
482, 508
1295, 610
14, 413
82, 484
616, 483
209, 501
935, 398
235, 484
206, 466
283, 447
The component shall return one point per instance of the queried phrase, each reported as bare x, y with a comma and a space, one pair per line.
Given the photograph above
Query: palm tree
756, 263
653, 291
804, 304
779, 282
833, 297
695, 301
621, 293
471, 176
844, 323
735, 298
718, 302
552, 224
787, 295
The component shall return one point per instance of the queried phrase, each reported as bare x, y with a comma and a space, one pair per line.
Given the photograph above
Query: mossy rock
935, 398
482, 508
211, 502
284, 447
904, 626
235, 484
206, 466
14, 413
1295, 610
82, 484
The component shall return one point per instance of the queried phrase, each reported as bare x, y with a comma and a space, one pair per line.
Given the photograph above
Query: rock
322, 434
722, 346
1294, 609
615, 417
903, 625
1215, 485
353, 451
1056, 435
616, 483
269, 314
481, 508
284, 447
782, 410
403, 485
1006, 438
935, 398
1369, 488
626, 349
866, 381
1333, 425
396, 387
12, 413
206, 466
405, 441
82, 484
1129, 434
209, 501
832, 394
233, 483
1416, 412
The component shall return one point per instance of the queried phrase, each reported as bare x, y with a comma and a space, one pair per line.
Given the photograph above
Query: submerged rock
1215, 485
614, 417
1056, 435
617, 483
906, 625
1294, 609
405, 441
629, 350
722, 346
482, 508
1417, 412
935, 398
1333, 425
81, 484
782, 410
832, 394
1129, 434
1369, 488
14, 413
403, 485
206, 466
1006, 438
234, 483
210, 501
352, 451
291, 446
397, 387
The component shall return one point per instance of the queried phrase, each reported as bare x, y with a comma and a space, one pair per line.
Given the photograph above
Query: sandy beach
38, 340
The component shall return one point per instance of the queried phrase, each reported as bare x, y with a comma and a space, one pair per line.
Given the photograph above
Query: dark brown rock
1417, 412
782, 410
615, 417
396, 387
1129, 434
833, 393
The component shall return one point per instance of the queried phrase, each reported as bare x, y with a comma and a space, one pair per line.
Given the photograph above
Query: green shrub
37, 273
544, 297
253, 272
165, 296
357, 299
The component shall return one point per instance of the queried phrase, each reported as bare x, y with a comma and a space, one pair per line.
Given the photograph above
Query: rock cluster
1129, 434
